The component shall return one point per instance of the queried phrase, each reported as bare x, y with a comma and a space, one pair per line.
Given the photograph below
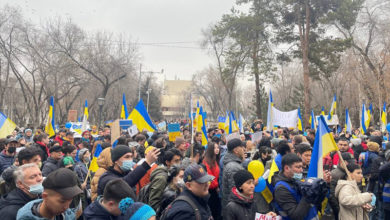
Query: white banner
284, 119
333, 121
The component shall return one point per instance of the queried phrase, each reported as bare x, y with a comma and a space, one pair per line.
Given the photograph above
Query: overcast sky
146, 21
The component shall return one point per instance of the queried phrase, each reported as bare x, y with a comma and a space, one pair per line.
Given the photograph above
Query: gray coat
49, 166
231, 164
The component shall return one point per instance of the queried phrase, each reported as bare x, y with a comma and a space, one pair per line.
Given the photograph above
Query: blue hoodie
25, 213
95, 211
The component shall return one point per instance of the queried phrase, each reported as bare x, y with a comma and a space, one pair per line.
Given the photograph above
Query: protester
52, 162
42, 142
28, 179
60, 136
193, 200
231, 164
353, 203
122, 159
104, 162
107, 206
60, 187
136, 210
304, 152
8, 154
180, 144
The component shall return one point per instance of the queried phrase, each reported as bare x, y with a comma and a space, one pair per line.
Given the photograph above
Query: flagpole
192, 121
343, 165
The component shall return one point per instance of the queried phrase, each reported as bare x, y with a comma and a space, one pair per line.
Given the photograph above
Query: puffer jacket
12, 202
239, 207
49, 166
231, 164
351, 199
158, 182
104, 162
25, 213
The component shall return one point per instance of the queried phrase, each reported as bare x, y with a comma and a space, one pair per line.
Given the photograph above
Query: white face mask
180, 183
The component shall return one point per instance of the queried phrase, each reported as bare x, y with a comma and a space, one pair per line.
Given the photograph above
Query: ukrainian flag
85, 117
49, 128
199, 120
364, 122
6, 126
299, 125
322, 110
195, 121
370, 113
221, 122
384, 117
348, 124
269, 112
141, 118
202, 127
228, 124
124, 112
234, 122
312, 120
332, 108
323, 145
276, 165
94, 166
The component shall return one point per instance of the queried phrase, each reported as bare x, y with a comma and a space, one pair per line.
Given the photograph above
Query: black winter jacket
130, 178
181, 210
12, 202
239, 208
95, 211
49, 166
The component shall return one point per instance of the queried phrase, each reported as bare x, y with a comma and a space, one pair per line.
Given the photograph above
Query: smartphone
248, 155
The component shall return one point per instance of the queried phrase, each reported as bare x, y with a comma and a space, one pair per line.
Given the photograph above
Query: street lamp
100, 103
147, 103
139, 79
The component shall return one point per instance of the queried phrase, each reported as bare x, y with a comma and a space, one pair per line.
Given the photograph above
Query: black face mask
11, 150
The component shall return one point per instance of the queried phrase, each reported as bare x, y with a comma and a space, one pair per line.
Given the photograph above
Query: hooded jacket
25, 213
239, 207
231, 164
95, 211
104, 162
286, 201
5, 161
49, 166
12, 202
351, 199
158, 182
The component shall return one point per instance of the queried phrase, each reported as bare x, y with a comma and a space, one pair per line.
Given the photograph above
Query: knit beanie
68, 160
233, 143
241, 177
135, 210
119, 151
373, 146
81, 153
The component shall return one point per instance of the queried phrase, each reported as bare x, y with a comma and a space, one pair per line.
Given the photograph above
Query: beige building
175, 99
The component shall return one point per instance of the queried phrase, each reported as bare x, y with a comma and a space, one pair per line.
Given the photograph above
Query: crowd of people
146, 176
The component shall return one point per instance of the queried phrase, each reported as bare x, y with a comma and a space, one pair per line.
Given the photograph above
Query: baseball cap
197, 173
64, 182
11, 140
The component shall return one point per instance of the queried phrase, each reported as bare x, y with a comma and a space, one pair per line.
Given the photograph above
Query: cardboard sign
162, 126
72, 115
115, 131
133, 130
260, 216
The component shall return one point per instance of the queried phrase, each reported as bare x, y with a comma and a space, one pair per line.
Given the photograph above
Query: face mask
127, 165
297, 176
87, 159
180, 183
11, 150
36, 189
218, 135
246, 133
373, 200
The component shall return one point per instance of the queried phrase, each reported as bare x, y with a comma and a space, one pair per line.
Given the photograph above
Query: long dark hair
210, 157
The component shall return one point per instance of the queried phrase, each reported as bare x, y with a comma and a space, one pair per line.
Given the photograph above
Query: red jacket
336, 157
59, 140
213, 172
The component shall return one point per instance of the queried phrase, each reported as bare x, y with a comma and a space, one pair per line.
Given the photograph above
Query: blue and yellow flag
323, 145
323, 111
384, 117
312, 120
201, 127
221, 122
124, 112
364, 122
270, 125
332, 108
6, 126
299, 124
234, 122
141, 118
85, 117
94, 166
50, 125
228, 124
348, 124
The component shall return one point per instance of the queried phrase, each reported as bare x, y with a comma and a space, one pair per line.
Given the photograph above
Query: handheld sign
173, 131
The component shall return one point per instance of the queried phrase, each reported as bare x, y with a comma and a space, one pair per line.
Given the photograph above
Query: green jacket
158, 182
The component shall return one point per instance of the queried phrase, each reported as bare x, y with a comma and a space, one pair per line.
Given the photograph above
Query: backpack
187, 200
143, 195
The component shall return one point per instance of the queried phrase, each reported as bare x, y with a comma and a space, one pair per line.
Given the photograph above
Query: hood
343, 183
96, 210
238, 198
104, 160
229, 157
160, 170
15, 197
